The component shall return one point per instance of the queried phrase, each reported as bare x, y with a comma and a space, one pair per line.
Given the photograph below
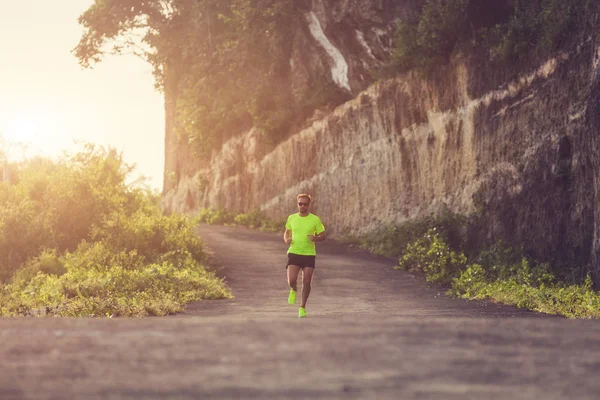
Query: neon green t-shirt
301, 227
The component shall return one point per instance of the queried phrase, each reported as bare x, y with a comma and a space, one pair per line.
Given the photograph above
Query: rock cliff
518, 146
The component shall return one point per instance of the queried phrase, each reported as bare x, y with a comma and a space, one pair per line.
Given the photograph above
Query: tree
115, 27
226, 62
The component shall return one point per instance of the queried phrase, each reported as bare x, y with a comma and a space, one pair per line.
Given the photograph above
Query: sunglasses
303, 204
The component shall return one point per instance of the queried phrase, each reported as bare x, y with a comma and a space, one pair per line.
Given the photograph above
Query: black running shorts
300, 261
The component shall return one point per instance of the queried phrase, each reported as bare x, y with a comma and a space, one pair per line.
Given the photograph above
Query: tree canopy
228, 61
507, 29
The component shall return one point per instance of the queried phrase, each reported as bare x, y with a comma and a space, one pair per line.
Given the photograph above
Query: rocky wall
518, 150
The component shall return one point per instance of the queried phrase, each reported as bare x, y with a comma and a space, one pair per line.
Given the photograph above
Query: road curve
372, 333
347, 282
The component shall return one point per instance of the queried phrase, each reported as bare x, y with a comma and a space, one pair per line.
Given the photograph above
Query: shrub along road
372, 333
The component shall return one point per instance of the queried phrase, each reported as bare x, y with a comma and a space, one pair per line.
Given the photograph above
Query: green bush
470, 282
434, 257
54, 205
391, 240
149, 234
215, 217
542, 28
502, 262
503, 275
48, 263
432, 39
406, 48
253, 219
76, 240
273, 225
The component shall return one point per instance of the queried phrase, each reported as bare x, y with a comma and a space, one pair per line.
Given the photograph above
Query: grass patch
392, 239
572, 301
152, 267
254, 219
119, 284
499, 274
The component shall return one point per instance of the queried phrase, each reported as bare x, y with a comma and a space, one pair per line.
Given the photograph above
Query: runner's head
303, 203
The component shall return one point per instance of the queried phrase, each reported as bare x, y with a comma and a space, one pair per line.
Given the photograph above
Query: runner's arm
319, 237
287, 236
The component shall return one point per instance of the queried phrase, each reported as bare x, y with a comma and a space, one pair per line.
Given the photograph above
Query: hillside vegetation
507, 29
77, 240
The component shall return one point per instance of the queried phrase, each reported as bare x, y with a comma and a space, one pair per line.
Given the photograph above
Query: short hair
304, 196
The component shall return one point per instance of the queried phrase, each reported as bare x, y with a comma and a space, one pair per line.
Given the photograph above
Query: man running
302, 230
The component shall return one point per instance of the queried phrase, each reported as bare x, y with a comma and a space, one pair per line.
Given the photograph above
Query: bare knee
306, 284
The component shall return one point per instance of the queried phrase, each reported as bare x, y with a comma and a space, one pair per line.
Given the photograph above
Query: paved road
372, 333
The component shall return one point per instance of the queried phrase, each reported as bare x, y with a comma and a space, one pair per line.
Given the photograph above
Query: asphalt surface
372, 333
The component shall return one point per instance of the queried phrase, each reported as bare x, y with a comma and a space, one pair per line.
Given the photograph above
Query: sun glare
23, 130
28, 135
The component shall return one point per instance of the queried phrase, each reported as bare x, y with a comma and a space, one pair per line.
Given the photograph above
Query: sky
48, 101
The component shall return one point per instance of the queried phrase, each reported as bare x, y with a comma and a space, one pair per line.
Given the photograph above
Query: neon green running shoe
301, 312
292, 297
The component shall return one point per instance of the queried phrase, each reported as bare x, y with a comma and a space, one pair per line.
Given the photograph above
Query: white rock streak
363, 42
339, 69
514, 88
596, 63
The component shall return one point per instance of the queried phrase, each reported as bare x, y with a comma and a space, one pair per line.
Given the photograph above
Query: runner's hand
311, 237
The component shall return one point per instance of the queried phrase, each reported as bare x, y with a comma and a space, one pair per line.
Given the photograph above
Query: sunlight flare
34, 133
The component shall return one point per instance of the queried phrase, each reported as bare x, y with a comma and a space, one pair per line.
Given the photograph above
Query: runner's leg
292, 275
307, 274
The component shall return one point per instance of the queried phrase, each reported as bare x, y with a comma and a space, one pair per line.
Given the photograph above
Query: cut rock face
522, 152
